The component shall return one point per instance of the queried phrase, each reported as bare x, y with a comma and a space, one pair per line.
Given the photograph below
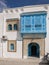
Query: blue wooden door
33, 50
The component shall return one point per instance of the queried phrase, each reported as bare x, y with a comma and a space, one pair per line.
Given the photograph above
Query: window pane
9, 27
27, 27
15, 26
12, 46
32, 20
33, 23
37, 19
27, 20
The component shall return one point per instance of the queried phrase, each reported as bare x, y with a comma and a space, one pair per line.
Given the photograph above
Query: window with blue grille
34, 23
27, 23
38, 23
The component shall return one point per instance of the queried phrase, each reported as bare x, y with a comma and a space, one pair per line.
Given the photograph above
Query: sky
19, 3
2, 5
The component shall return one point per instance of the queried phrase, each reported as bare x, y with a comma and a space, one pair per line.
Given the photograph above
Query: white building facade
13, 42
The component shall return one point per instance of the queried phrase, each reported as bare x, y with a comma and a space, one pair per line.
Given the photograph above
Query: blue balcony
33, 22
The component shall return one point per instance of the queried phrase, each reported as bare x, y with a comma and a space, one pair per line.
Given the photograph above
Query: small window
9, 27
12, 47
15, 27
12, 24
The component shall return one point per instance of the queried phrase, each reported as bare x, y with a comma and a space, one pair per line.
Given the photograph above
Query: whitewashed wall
11, 36
1, 33
9, 16
34, 9
17, 54
47, 36
1, 24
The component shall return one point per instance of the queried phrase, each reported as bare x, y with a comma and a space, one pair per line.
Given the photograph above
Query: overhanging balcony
33, 23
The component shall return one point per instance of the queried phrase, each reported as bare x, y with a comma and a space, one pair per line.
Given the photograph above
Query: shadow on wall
45, 60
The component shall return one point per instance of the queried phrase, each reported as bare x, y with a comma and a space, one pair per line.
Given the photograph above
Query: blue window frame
38, 27
28, 27
9, 27
27, 23
38, 23
33, 23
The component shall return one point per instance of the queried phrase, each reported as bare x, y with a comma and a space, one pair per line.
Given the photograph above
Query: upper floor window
12, 24
15, 27
35, 22
27, 27
9, 27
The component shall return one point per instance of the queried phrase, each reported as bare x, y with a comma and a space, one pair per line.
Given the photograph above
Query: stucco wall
11, 35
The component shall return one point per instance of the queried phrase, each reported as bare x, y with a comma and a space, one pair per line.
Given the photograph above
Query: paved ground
22, 62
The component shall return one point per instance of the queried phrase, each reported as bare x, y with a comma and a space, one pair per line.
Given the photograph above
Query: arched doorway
33, 50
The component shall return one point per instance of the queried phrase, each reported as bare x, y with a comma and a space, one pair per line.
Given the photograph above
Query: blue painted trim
33, 13
26, 20
37, 50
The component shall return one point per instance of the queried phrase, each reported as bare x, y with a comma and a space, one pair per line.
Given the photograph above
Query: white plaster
0, 51
47, 36
11, 35
19, 49
25, 57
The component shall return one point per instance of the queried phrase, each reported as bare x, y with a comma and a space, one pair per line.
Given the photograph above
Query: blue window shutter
34, 23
